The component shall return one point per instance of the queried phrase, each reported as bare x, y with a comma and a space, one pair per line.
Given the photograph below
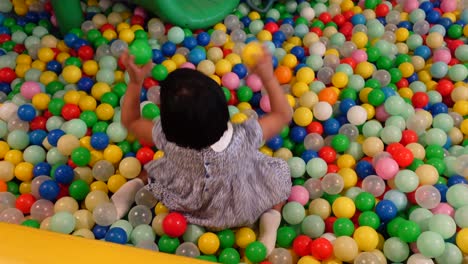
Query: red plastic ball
174, 224
137, 20
420, 99
329, 222
70, 111
145, 155
402, 83
394, 147
408, 136
339, 19
107, 26
226, 52
411, 197
63, 191
317, 31
328, 154
321, 248
453, 61
447, 100
404, 157
332, 168
71, 164
4, 38
24, 202
47, 114
149, 82
382, 10
348, 14
454, 44
350, 61
7, 75
120, 63
445, 87
271, 26
86, 53
39, 122
346, 29
19, 48
233, 100
325, 17
315, 127
301, 245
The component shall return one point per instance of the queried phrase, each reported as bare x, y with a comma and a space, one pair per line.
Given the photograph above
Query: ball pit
377, 146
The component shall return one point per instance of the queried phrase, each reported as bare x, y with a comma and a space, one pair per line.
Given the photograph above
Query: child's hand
137, 74
264, 66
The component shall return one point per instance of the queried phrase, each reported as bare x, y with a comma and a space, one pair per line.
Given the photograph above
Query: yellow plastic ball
266, 151
406, 92
289, 60
220, 26
365, 69
346, 161
4, 148
115, 182
366, 238
462, 240
434, 40
38, 64
127, 35
239, 118
364, 93
178, 59
23, 59
234, 59
62, 57
401, 34
360, 39
254, 15
349, 176
339, 79
99, 89
303, 116
306, 75
208, 243
99, 185
21, 69
87, 103
14, 156
48, 77
370, 110
41, 101
71, 74
296, 41
109, 34
45, 54
113, 154
346, 5
158, 154
90, 67
242, 106
160, 208
24, 171
62, 46
345, 248
105, 112
130, 167
25, 187
308, 260
72, 97
343, 207
170, 65
251, 52
96, 156
245, 236
407, 69
291, 100
299, 88
461, 107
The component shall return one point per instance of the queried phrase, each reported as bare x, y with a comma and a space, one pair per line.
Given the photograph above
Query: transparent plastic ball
313, 141
140, 215
118, 47
374, 184
105, 214
314, 187
103, 170
11, 216
145, 197
188, 249
349, 130
41, 209
332, 183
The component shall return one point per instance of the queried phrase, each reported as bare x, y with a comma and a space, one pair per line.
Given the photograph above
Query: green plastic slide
192, 14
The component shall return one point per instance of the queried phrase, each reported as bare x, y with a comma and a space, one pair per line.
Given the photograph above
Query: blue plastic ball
308, 155
190, 42
432, 16
99, 140
298, 134
443, 191
364, 168
41, 168
386, 210
388, 91
346, 104
203, 39
116, 235
439, 108
85, 84
158, 56
275, 143
298, 52
279, 36
423, 51
100, 231
331, 126
358, 19
168, 48
4, 87
54, 66
26, 112
195, 56
64, 174
49, 190
36, 137
54, 135
456, 179
240, 69
69, 39
405, 24
426, 6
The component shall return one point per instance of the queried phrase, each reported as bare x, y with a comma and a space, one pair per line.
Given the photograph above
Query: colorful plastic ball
301, 245
302, 116
29, 89
427, 196
116, 235
81, 156
145, 232
208, 243
49, 190
71, 74
431, 244
99, 140
293, 213
256, 251
24, 203
366, 238
78, 189
62, 222
174, 224
386, 210
299, 194
345, 248
343, 207
141, 50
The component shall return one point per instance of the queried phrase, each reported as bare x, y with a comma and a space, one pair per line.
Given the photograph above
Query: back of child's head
194, 111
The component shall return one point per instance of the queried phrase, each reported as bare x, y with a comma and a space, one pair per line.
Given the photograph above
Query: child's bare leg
269, 223
125, 196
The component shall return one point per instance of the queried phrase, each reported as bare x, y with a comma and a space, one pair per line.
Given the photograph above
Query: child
212, 171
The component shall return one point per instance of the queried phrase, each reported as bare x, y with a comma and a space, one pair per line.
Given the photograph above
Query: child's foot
125, 196
269, 223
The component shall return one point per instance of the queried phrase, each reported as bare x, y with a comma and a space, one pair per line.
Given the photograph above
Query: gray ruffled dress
216, 187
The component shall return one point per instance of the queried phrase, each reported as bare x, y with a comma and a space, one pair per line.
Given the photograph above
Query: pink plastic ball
442, 55
230, 80
387, 168
53, 20
410, 5
139, 11
299, 194
29, 89
381, 114
359, 56
448, 5
254, 82
444, 208
414, 247
265, 104
188, 65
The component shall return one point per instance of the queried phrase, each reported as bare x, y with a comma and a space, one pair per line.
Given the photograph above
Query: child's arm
281, 111
131, 118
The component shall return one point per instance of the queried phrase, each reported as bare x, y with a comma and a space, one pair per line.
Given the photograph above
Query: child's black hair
194, 112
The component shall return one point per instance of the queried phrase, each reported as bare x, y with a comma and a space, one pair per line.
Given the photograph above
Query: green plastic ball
340, 143
365, 201
285, 236
78, 189
256, 251
159, 72
408, 231
343, 227
168, 244
141, 50
150, 111
227, 238
369, 218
